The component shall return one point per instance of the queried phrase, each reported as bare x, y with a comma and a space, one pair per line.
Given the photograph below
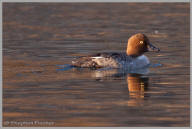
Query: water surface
40, 37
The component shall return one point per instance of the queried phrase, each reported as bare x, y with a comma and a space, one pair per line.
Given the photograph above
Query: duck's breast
139, 62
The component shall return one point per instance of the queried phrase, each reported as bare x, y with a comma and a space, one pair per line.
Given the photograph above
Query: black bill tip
153, 48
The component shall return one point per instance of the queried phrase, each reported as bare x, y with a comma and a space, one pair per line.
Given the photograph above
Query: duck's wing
119, 55
85, 62
99, 60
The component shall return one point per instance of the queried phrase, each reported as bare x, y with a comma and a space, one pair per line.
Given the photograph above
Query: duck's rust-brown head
139, 44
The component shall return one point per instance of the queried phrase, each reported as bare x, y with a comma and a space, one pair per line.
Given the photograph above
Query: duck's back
110, 59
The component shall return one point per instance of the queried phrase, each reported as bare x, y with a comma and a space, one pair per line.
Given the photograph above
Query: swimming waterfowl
137, 45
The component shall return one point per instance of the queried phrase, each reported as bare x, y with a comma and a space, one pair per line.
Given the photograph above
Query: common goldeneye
133, 58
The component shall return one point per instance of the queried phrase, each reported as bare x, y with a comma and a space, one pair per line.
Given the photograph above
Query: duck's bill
153, 48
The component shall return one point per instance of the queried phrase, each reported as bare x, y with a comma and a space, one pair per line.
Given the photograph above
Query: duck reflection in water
137, 85
137, 80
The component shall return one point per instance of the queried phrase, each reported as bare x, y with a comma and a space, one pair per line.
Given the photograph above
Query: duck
132, 58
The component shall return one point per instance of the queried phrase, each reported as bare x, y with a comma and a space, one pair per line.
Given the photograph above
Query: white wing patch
105, 62
97, 57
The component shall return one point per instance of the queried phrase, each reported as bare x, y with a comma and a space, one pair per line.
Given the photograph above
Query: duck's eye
141, 42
